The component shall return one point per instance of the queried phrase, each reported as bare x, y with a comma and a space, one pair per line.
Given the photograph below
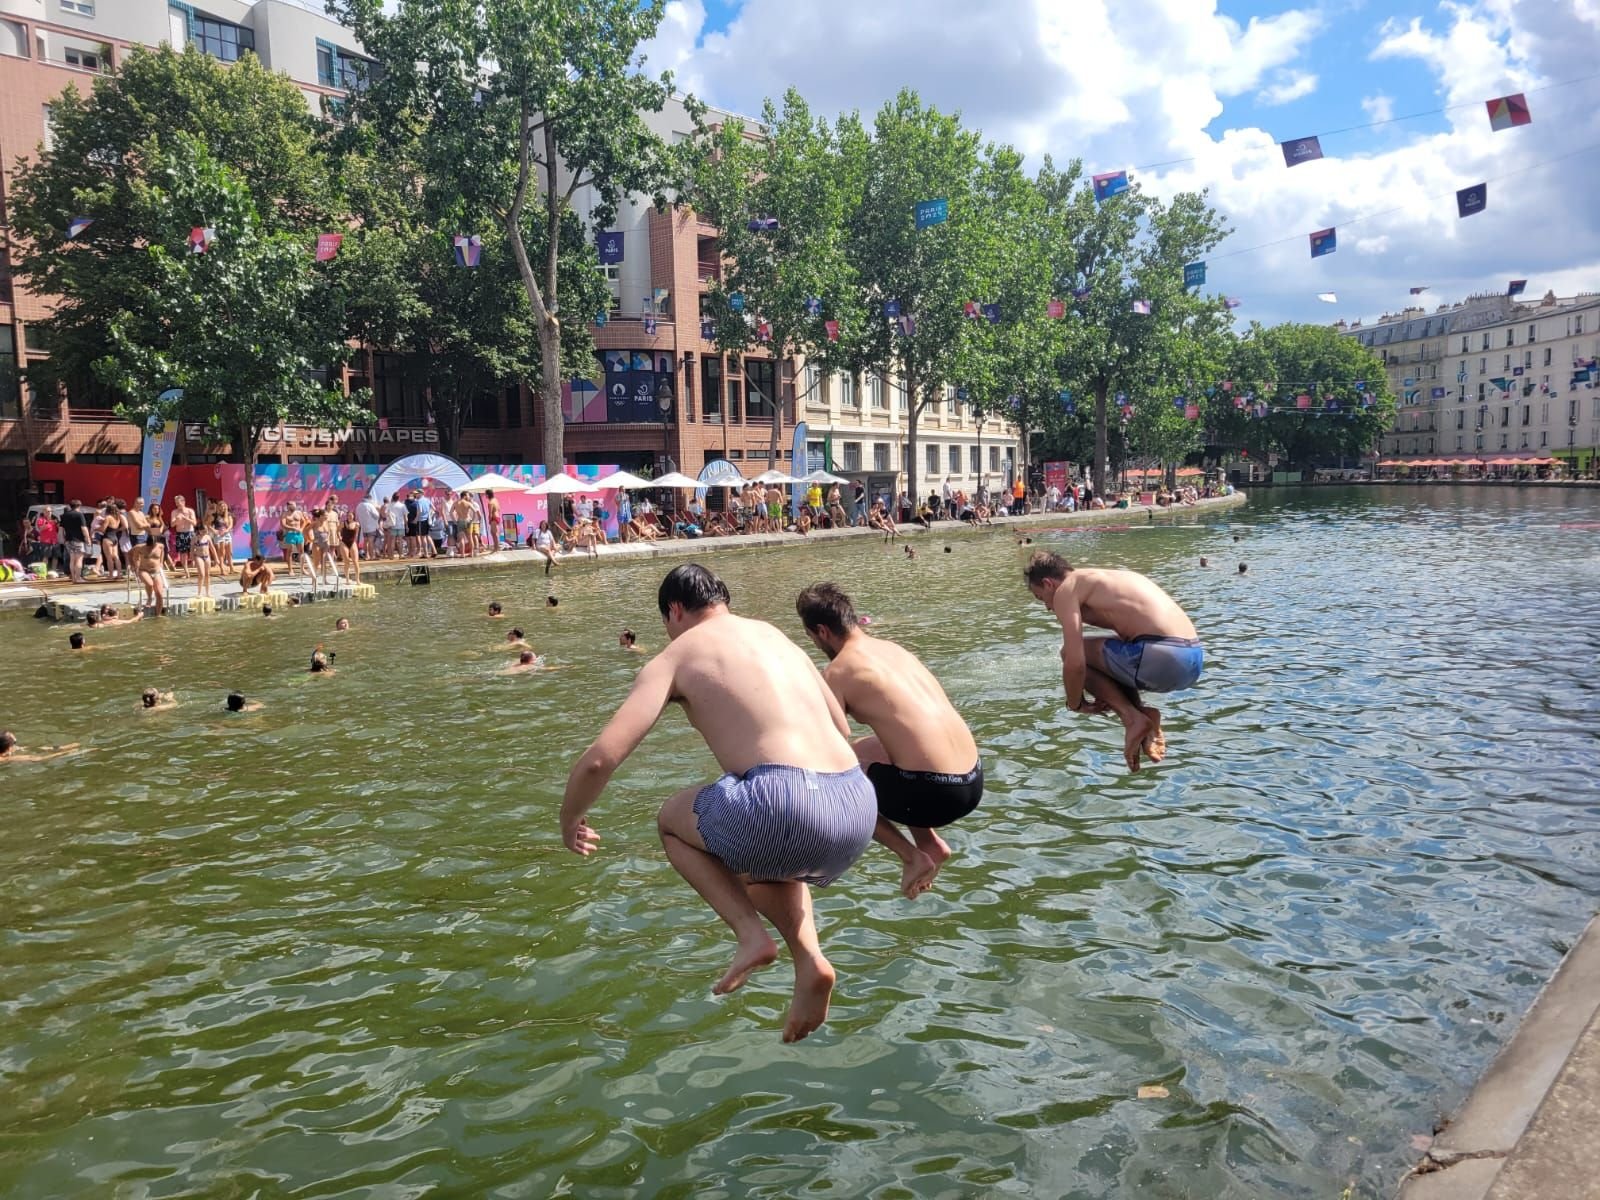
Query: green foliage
244, 329
513, 106
105, 148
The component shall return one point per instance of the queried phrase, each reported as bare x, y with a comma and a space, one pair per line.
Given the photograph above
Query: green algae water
335, 947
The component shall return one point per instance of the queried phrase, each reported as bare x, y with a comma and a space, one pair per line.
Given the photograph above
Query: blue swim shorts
1153, 663
779, 823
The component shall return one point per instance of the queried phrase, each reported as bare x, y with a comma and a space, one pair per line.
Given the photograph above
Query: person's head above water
8, 741
514, 634
320, 660
75, 641
627, 638
525, 658
150, 697
551, 602
1243, 567
266, 610
495, 608
235, 702
828, 615
1044, 573
341, 624
1203, 561
688, 592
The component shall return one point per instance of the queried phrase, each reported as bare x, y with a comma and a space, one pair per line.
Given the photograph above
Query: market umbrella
821, 476
493, 482
625, 480
675, 479
771, 476
563, 485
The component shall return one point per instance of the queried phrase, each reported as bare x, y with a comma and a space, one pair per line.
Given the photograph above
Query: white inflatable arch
417, 466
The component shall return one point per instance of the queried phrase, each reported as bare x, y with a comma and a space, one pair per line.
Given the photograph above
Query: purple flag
612, 244
1516, 287
1300, 150
991, 313
469, 249
1324, 241
1142, 307
1472, 200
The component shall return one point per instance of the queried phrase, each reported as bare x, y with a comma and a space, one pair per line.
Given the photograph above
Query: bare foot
917, 876
1139, 728
813, 985
748, 958
1155, 743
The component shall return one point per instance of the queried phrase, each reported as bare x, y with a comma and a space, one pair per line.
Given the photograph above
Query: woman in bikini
220, 519
349, 552
110, 541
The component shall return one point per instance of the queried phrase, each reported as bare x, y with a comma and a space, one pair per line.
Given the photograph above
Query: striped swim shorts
779, 823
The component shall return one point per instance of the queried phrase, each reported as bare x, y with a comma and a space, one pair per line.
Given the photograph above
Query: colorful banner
1057, 475
1516, 287
797, 467
1055, 310
1472, 200
1194, 275
160, 437
931, 212
328, 245
200, 239
1300, 150
1507, 112
1109, 184
612, 243
77, 225
468, 249
1324, 241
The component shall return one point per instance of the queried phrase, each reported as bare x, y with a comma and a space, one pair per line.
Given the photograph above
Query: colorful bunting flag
650, 326
891, 308
762, 225
469, 249
328, 245
1300, 150
600, 319
1231, 302
1191, 412
908, 326
1109, 184
1507, 112
1239, 401
1328, 297
1142, 307
612, 243
1194, 275
200, 238
708, 330
833, 330
1302, 401
1055, 310
1516, 287
813, 307
991, 313
1472, 200
1180, 402
1068, 404
931, 212
1516, 370
971, 310
1227, 385
736, 302
763, 331
77, 225
1324, 241
1080, 293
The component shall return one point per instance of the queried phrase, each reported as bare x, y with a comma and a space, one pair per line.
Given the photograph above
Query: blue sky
1122, 83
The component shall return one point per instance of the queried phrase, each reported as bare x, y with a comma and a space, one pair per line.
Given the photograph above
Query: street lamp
664, 397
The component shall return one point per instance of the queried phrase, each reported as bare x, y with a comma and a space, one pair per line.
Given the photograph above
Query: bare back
754, 696
1126, 603
886, 688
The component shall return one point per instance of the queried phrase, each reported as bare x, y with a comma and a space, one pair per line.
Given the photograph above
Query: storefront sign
304, 435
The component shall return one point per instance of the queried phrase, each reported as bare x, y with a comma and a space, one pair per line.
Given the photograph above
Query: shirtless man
1155, 648
8, 750
149, 566
461, 525
793, 807
292, 539
493, 536
183, 521
921, 758
255, 574
138, 522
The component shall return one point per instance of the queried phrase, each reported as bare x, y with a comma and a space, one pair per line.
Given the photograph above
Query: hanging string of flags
200, 238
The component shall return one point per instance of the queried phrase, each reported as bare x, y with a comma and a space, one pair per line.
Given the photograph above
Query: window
1461, 443
975, 461
395, 396
514, 405
1544, 439
950, 401
1511, 337
1505, 414
933, 462
1485, 341
814, 387
735, 389
1503, 441
761, 388
1547, 352
1544, 414
1527, 359
10, 392
1524, 441
852, 456
875, 390
1464, 346
900, 391
1506, 366
1478, 442
1527, 413
84, 8
1483, 366
1577, 323
847, 392
711, 388
327, 56
1461, 419
955, 460
1481, 396
994, 458
483, 412
1533, 333
814, 456
88, 60
880, 456
220, 39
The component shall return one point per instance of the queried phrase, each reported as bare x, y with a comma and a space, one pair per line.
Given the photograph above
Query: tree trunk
1099, 473
247, 447
552, 442
913, 411
777, 416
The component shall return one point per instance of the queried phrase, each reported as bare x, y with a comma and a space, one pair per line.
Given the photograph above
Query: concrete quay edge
29, 597
1527, 1131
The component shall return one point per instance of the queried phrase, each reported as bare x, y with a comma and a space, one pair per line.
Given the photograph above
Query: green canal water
335, 948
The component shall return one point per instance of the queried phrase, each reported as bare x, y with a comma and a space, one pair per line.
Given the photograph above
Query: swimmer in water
321, 662
526, 661
551, 602
516, 640
75, 641
342, 625
910, 553
10, 753
1244, 568
496, 609
1203, 561
629, 640
792, 808
236, 703
1154, 647
151, 699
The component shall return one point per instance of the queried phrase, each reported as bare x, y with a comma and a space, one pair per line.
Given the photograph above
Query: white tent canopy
770, 476
563, 485
625, 480
821, 476
493, 482
675, 479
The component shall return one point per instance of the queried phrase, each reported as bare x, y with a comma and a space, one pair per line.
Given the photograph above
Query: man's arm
652, 690
834, 694
1072, 661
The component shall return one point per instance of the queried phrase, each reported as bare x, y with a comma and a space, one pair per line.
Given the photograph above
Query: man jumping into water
793, 808
1155, 648
921, 758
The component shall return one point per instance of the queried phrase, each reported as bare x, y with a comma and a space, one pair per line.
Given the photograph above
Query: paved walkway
82, 596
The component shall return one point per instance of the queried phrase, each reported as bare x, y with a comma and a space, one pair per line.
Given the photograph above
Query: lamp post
664, 398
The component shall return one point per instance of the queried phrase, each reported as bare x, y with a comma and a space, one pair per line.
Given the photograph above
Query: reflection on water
335, 948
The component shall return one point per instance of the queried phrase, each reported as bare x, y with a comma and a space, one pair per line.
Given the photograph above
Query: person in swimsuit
793, 807
292, 539
9, 752
1155, 647
349, 548
111, 541
545, 543
201, 544
149, 565
255, 574
221, 519
921, 758
183, 522
138, 523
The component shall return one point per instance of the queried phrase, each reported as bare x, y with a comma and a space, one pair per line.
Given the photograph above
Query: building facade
1493, 377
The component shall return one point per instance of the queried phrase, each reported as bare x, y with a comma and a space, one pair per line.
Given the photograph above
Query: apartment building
858, 424
1493, 377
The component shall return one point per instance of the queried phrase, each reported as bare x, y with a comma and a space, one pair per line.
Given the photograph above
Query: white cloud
1287, 86
1125, 82
1379, 107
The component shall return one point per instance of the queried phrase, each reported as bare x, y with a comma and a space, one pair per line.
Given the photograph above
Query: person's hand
580, 839
1089, 706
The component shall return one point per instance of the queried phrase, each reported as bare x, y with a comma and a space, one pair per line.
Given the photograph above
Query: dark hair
235, 702
826, 606
7, 740
551, 602
1045, 565
149, 696
629, 636
92, 620
692, 586
494, 607
514, 635
1243, 567
75, 641
525, 657
266, 610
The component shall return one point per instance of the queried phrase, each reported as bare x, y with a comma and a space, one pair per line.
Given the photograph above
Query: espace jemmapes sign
289, 436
